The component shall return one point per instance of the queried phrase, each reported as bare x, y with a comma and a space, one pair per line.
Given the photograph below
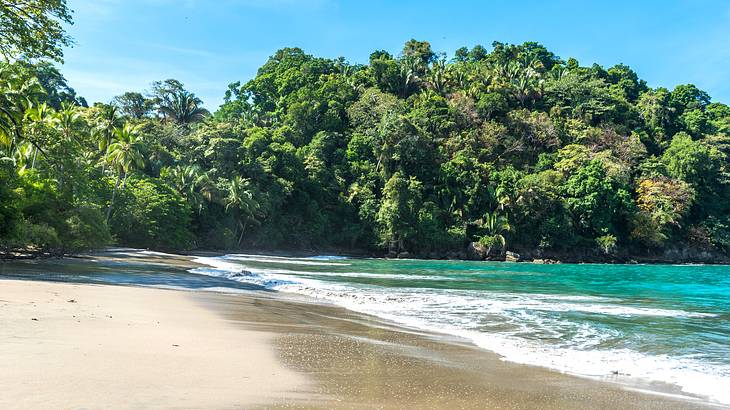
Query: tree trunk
114, 194
243, 229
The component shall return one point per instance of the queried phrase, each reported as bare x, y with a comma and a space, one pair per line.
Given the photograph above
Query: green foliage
718, 229
134, 105
515, 148
691, 161
10, 215
494, 227
595, 200
150, 214
399, 211
662, 204
607, 243
34, 29
86, 229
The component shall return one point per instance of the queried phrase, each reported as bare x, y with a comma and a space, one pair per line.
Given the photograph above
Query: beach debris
174, 345
71, 301
34, 319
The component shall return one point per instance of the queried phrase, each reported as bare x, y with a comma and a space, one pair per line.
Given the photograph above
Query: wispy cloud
181, 50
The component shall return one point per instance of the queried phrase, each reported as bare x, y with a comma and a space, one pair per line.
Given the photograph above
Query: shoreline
624, 259
448, 370
264, 350
347, 358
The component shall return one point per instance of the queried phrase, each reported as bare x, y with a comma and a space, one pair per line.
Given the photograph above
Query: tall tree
133, 104
124, 154
183, 108
34, 29
241, 199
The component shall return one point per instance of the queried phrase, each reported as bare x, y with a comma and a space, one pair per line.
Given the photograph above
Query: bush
150, 214
10, 215
86, 230
607, 243
719, 232
40, 236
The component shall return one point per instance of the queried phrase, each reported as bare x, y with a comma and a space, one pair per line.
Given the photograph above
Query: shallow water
659, 323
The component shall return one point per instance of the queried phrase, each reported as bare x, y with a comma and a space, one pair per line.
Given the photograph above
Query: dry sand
66, 346
128, 347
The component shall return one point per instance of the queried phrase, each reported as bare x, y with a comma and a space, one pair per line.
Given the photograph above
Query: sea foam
515, 326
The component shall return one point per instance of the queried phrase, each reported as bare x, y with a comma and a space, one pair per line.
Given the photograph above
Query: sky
125, 45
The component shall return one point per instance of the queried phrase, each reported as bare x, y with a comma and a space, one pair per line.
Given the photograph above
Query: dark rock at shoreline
476, 251
545, 261
241, 274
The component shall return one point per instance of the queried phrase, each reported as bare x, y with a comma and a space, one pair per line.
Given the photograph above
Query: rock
404, 255
241, 274
544, 261
434, 255
512, 257
476, 251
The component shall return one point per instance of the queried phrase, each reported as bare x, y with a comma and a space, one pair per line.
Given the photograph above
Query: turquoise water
649, 323
665, 323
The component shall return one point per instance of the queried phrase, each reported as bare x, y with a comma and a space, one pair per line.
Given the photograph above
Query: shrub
150, 214
86, 229
607, 243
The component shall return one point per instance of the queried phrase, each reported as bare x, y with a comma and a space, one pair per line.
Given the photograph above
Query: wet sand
132, 347
360, 362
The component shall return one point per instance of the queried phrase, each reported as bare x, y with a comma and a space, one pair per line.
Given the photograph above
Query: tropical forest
414, 153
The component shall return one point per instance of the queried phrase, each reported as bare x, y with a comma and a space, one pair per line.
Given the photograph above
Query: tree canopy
33, 29
512, 148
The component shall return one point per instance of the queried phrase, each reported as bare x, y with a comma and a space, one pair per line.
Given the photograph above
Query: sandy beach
95, 347
68, 346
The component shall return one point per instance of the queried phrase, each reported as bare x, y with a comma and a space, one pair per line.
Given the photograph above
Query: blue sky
124, 45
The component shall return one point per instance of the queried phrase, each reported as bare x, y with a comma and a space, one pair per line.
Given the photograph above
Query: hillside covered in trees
512, 148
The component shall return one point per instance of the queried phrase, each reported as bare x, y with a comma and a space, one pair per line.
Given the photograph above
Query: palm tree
494, 226
184, 108
438, 78
124, 154
22, 155
66, 121
240, 197
194, 184
16, 96
37, 117
409, 69
107, 120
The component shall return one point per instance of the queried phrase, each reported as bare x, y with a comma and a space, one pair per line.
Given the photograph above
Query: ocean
648, 326
648, 323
